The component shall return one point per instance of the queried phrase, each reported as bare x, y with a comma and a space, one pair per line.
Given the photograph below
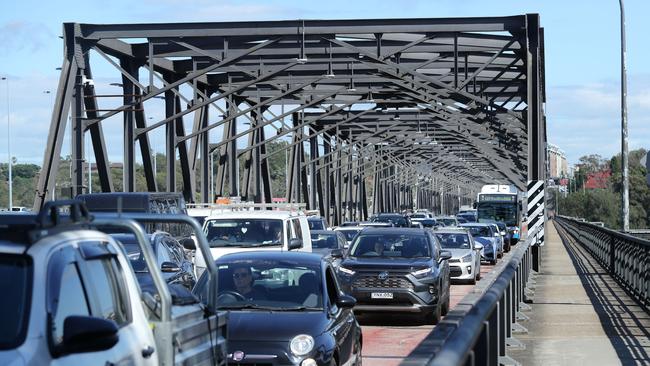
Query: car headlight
466, 258
421, 272
347, 271
301, 344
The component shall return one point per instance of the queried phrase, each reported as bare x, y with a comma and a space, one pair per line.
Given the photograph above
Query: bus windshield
496, 211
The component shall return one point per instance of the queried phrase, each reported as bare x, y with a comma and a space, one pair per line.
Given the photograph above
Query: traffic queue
144, 279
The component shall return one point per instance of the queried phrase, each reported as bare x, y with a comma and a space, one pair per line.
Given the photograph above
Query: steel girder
419, 111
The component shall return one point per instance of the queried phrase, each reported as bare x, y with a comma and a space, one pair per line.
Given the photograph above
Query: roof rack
247, 206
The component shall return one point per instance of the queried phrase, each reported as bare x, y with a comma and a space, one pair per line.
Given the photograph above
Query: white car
237, 231
465, 262
71, 298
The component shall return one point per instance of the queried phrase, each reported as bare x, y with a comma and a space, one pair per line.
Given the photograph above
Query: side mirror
188, 243
497, 234
445, 255
478, 246
337, 253
167, 267
88, 334
474, 205
503, 233
346, 301
295, 243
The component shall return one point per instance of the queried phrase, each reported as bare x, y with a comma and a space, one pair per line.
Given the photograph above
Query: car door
109, 299
343, 319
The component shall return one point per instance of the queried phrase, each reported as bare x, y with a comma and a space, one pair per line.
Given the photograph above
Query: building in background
558, 167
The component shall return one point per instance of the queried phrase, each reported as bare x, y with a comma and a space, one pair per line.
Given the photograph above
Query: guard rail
480, 328
626, 257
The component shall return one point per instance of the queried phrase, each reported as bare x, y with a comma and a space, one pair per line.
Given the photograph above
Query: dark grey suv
397, 270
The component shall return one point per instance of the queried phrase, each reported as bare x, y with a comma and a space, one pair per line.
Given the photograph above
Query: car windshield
479, 231
133, 252
395, 219
428, 222
324, 241
16, 287
350, 234
448, 222
453, 241
266, 285
498, 211
390, 245
243, 232
316, 224
418, 216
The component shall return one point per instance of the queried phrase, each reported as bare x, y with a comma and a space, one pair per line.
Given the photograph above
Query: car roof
257, 214
476, 224
323, 232
393, 230
350, 228
303, 257
451, 231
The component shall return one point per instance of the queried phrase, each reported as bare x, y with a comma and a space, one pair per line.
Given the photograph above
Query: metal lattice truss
427, 109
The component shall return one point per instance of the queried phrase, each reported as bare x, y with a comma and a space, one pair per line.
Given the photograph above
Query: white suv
237, 231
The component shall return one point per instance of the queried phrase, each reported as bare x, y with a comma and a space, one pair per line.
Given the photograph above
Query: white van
237, 231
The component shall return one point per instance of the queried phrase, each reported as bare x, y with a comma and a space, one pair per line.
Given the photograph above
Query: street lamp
624, 151
9, 160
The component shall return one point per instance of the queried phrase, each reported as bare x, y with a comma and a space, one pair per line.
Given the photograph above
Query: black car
316, 223
286, 308
174, 262
396, 219
397, 270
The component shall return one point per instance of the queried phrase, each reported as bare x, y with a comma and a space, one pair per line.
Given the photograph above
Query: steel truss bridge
420, 110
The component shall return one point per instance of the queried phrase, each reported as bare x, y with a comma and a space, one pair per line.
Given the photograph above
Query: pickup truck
247, 230
70, 296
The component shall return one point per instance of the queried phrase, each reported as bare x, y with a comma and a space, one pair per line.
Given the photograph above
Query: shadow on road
625, 321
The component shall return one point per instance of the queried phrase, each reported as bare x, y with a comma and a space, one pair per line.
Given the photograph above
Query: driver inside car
243, 279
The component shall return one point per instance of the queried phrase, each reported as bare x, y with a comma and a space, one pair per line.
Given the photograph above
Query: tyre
478, 272
493, 261
445, 307
434, 316
473, 281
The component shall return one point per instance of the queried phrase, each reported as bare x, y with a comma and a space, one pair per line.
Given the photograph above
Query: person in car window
378, 251
243, 279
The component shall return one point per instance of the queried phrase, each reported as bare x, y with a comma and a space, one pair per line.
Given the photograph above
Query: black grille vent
374, 282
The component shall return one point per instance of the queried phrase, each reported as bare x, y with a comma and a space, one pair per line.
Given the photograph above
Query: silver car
465, 262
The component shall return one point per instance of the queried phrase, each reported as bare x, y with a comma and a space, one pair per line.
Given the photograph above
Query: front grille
373, 282
455, 272
454, 260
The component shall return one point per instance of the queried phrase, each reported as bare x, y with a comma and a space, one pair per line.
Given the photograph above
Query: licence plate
381, 295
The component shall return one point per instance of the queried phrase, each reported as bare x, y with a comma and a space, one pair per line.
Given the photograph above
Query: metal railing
480, 328
626, 257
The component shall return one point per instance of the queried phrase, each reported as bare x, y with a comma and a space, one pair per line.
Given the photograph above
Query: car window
243, 232
390, 245
104, 285
480, 230
297, 230
16, 288
332, 290
279, 285
453, 241
162, 253
71, 300
324, 241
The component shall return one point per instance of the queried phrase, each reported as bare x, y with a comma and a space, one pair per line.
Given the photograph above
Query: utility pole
624, 158
9, 159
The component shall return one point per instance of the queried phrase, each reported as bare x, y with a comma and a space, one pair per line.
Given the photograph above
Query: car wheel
445, 308
473, 281
434, 316
478, 272
493, 261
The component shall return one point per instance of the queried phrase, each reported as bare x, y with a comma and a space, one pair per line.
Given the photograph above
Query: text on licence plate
381, 295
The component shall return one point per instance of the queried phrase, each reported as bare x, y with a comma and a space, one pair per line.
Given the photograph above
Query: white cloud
23, 36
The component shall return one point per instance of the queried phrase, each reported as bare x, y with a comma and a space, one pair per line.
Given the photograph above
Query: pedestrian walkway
580, 315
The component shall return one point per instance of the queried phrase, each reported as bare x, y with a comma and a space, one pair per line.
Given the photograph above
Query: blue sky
582, 56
